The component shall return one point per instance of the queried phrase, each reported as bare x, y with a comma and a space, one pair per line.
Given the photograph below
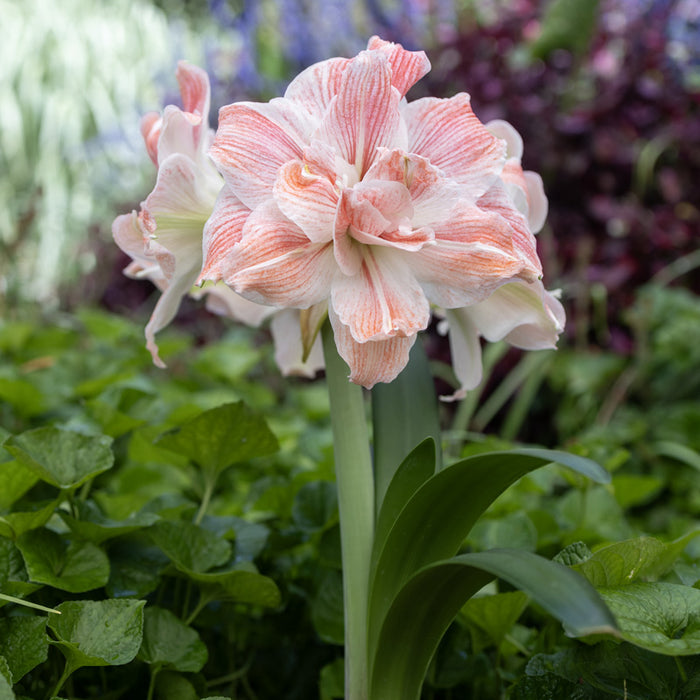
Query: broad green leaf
26, 399
635, 489
13, 573
6, 671
494, 614
427, 603
170, 643
23, 643
314, 505
512, 530
61, 457
73, 566
241, 585
622, 563
27, 516
574, 554
222, 436
98, 633
135, 567
15, 481
93, 526
400, 421
660, 617
249, 538
6, 688
112, 421
174, 686
190, 547
437, 518
332, 680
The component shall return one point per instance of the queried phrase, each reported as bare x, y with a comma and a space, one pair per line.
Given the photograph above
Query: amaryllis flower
165, 237
342, 193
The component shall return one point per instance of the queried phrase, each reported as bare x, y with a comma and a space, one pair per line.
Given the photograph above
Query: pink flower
343, 193
165, 237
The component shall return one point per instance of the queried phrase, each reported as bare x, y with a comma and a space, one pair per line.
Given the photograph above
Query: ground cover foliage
184, 523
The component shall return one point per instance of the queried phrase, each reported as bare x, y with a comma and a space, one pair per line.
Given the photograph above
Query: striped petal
449, 135
314, 88
407, 67
276, 263
381, 300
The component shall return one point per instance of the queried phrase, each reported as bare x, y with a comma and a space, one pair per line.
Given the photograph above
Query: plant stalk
355, 483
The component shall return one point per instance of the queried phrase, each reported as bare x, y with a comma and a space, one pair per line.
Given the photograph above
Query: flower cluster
344, 200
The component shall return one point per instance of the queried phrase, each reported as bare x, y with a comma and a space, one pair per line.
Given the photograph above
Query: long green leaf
432, 598
404, 413
435, 521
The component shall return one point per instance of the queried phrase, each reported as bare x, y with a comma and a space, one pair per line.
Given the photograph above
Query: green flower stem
355, 482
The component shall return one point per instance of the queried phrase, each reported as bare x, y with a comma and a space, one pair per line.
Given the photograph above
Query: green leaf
437, 518
174, 686
660, 617
25, 398
69, 566
567, 24
23, 643
190, 547
400, 422
427, 603
6, 688
636, 489
622, 563
222, 436
15, 481
574, 554
135, 568
332, 680
249, 538
92, 525
241, 585
61, 457
37, 513
314, 505
495, 614
13, 573
327, 608
169, 642
98, 633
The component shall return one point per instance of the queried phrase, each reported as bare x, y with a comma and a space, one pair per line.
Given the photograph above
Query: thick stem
355, 482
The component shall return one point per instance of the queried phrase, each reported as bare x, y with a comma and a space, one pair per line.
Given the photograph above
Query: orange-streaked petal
314, 88
308, 199
382, 300
373, 361
364, 114
472, 255
275, 262
253, 142
194, 89
407, 67
223, 230
449, 135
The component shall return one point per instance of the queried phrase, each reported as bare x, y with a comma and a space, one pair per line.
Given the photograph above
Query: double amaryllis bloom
342, 198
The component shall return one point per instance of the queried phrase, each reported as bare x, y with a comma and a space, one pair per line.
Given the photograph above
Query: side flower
342, 194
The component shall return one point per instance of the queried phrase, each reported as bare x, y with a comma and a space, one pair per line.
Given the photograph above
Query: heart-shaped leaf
23, 643
170, 643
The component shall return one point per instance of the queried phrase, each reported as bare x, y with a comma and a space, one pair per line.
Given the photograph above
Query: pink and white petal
307, 199
522, 313
166, 308
275, 262
184, 195
223, 301
465, 350
516, 186
407, 67
497, 201
537, 201
223, 230
506, 131
129, 236
451, 137
472, 255
151, 124
180, 132
253, 142
315, 87
382, 300
364, 114
194, 89
373, 361
289, 354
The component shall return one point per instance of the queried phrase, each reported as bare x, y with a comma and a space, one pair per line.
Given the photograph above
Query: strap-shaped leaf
440, 514
433, 596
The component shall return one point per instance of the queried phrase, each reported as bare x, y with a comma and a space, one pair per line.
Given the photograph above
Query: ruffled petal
374, 361
449, 135
381, 301
525, 315
472, 255
151, 124
505, 130
223, 230
253, 142
407, 67
194, 89
314, 88
364, 113
465, 350
223, 301
308, 199
276, 263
